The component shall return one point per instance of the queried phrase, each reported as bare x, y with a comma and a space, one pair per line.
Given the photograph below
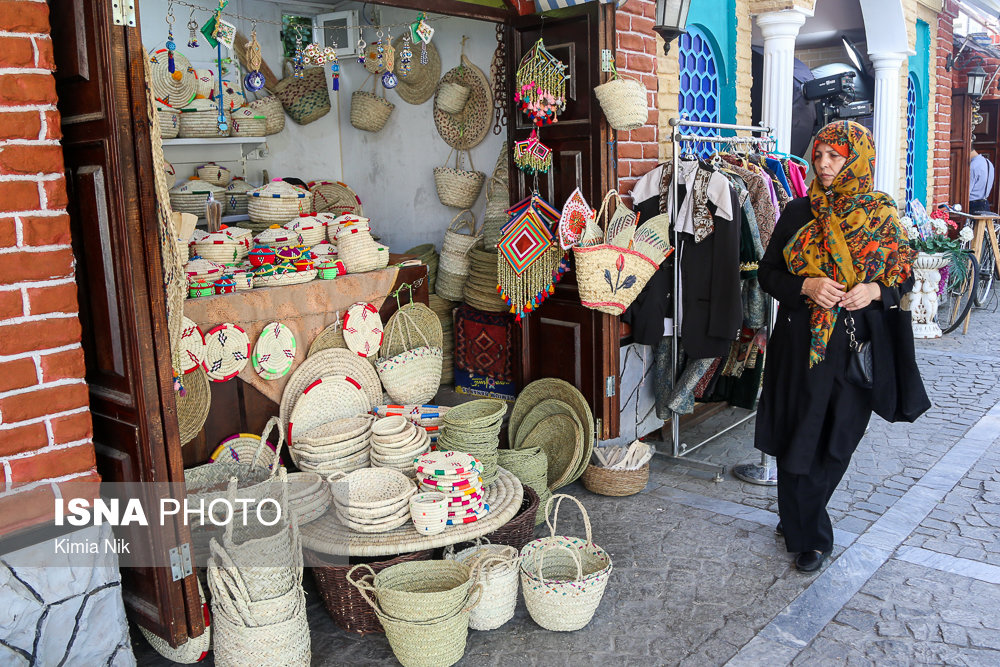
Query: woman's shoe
810, 561
778, 530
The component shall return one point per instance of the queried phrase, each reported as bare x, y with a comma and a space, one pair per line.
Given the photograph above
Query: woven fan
529, 259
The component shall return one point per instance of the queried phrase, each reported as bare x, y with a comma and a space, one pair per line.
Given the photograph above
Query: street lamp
671, 20
977, 82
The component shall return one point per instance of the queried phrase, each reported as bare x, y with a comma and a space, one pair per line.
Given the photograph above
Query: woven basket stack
474, 428
497, 203
453, 269
277, 202
529, 465
341, 445
428, 256
191, 195
236, 196
198, 268
424, 607
481, 287
372, 500
396, 442
270, 107
411, 356
309, 496
497, 565
255, 577
428, 417
444, 310
200, 120
248, 122
460, 478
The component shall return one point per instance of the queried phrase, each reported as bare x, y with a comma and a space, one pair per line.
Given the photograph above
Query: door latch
609, 386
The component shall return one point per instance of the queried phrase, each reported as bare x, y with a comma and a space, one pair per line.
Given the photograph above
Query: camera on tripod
836, 96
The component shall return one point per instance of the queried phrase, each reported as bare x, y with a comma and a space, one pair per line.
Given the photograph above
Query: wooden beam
453, 8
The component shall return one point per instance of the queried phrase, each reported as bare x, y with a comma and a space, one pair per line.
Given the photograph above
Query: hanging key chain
389, 79
361, 50
298, 59
193, 30
405, 56
171, 45
254, 80
331, 57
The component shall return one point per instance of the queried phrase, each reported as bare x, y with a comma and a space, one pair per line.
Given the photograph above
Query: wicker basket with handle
624, 102
305, 99
458, 187
369, 112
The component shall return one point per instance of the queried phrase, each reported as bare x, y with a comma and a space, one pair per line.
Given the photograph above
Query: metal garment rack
758, 474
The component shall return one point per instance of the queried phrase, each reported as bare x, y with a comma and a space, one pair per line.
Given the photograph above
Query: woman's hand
823, 291
861, 295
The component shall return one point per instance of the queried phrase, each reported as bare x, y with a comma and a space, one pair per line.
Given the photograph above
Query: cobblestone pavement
701, 579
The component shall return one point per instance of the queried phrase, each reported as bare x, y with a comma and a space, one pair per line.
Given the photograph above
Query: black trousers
802, 499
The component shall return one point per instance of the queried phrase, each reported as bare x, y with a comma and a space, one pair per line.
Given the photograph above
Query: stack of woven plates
481, 287
459, 477
428, 255
553, 415
443, 309
372, 500
309, 496
474, 428
530, 465
396, 442
342, 445
429, 417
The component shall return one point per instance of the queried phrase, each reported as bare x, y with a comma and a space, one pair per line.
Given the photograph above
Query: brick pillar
940, 111
635, 56
45, 426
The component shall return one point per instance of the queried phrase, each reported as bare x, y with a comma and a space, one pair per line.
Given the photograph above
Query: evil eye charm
171, 46
389, 80
223, 126
254, 81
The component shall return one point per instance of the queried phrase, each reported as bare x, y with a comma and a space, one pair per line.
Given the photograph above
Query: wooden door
961, 144
984, 140
106, 144
563, 339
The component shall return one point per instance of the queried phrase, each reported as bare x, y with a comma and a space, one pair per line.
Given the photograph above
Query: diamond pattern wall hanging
529, 259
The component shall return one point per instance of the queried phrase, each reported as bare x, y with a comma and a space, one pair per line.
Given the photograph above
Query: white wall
392, 170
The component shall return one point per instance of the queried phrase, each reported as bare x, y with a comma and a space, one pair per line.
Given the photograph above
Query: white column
779, 30
887, 105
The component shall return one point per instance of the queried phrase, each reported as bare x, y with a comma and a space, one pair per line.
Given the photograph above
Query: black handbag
860, 363
898, 394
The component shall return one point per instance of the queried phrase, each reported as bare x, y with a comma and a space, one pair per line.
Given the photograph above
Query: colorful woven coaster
363, 329
274, 352
192, 346
227, 351
447, 463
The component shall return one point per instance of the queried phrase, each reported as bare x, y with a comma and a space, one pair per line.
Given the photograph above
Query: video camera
835, 97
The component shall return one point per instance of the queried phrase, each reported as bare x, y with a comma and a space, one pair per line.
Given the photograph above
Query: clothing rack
752, 473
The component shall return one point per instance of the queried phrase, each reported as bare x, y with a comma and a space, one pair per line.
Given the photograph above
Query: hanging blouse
797, 178
776, 168
703, 185
760, 196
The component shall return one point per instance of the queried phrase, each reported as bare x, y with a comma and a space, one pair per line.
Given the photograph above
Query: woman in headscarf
834, 254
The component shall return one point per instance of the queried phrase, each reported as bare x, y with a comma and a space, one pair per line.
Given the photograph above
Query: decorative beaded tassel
298, 60
331, 57
254, 80
361, 51
540, 86
171, 45
405, 56
389, 79
193, 30
529, 259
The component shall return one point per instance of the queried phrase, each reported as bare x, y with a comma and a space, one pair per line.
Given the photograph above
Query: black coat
798, 404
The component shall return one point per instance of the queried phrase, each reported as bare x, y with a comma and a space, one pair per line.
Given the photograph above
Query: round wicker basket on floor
606, 482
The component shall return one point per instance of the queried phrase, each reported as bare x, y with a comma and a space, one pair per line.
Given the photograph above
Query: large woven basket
249, 123
414, 325
200, 120
413, 376
275, 203
359, 252
458, 187
497, 567
495, 216
237, 196
453, 266
170, 123
271, 107
624, 103
369, 112
606, 482
214, 174
190, 196
419, 590
306, 99
345, 604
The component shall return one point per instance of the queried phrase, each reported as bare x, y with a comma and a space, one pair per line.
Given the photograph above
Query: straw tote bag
623, 100
306, 99
610, 277
369, 112
457, 187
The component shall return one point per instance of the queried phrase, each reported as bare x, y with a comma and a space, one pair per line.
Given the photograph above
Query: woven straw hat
175, 92
466, 130
418, 86
193, 406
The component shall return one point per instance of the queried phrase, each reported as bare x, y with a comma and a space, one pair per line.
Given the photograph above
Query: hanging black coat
795, 399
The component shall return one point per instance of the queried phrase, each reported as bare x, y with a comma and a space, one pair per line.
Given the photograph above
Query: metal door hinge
607, 60
598, 428
180, 562
609, 386
123, 12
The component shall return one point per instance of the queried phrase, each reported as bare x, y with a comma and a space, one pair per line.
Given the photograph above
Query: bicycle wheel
987, 273
959, 294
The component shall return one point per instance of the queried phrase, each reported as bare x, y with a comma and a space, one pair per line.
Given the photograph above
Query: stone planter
922, 302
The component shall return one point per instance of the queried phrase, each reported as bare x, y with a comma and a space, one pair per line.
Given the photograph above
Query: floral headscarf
855, 237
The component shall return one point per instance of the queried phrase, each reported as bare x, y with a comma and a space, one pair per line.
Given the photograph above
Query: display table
329, 535
244, 404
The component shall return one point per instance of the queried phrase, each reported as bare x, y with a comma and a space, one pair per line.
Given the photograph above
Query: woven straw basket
497, 564
369, 112
610, 278
249, 123
605, 482
214, 174
453, 267
457, 187
190, 196
170, 123
495, 216
359, 252
413, 376
200, 120
306, 99
236, 196
271, 108
275, 203
623, 100
452, 97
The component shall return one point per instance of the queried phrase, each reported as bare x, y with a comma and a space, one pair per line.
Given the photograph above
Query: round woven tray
336, 197
329, 362
606, 482
546, 388
227, 351
330, 398
192, 408
327, 535
192, 346
363, 329
274, 351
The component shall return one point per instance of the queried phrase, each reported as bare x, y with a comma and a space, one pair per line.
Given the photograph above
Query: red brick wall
45, 426
635, 56
941, 111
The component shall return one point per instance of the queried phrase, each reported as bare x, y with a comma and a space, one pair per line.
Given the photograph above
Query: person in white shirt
981, 175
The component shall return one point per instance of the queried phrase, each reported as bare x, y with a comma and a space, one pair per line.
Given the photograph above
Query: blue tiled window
911, 132
699, 90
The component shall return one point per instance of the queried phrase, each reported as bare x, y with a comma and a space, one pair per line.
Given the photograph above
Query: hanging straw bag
369, 112
457, 187
498, 570
210, 481
453, 267
306, 99
610, 277
563, 577
413, 376
271, 108
624, 102
452, 97
495, 217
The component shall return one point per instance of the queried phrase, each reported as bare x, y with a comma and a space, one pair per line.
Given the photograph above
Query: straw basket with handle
623, 100
610, 277
271, 108
304, 99
369, 112
453, 267
495, 216
457, 187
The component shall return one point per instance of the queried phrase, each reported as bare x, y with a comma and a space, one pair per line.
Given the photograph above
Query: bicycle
963, 282
987, 268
